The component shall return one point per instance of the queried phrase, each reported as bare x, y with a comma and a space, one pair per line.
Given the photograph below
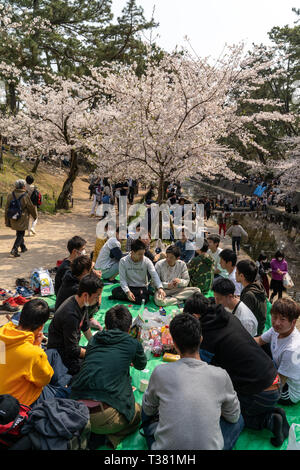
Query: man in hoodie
253, 294
20, 222
104, 382
26, 371
72, 318
227, 344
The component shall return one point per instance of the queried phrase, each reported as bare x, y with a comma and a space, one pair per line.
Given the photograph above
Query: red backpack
10, 433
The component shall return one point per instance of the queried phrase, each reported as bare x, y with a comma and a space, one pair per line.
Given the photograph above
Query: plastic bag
287, 281
293, 443
41, 282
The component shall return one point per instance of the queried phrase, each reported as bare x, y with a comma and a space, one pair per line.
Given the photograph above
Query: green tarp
248, 440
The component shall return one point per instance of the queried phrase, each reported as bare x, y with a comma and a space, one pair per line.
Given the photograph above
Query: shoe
11, 302
286, 426
275, 424
20, 300
24, 249
24, 292
33, 231
6, 307
92, 215
14, 254
22, 282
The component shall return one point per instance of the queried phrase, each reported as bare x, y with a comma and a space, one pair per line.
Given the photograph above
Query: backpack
36, 197
14, 210
10, 433
106, 199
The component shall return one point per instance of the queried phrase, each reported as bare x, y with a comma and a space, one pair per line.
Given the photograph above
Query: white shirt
238, 285
104, 261
246, 317
286, 355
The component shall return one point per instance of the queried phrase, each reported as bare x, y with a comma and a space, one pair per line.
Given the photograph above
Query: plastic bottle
166, 338
142, 308
157, 347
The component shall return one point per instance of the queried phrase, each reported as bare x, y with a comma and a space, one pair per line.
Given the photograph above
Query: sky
209, 24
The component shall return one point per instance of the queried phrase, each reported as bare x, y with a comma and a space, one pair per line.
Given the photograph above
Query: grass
45, 179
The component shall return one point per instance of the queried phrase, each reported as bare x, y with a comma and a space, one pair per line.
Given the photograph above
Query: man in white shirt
214, 251
223, 290
109, 258
175, 278
228, 260
284, 340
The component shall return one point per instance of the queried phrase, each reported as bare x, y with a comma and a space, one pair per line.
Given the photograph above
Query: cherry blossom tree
170, 122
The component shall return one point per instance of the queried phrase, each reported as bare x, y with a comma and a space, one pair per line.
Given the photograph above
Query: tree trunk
36, 164
161, 189
1, 153
63, 198
12, 97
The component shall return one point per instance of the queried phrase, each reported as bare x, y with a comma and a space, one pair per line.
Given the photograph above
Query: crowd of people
231, 375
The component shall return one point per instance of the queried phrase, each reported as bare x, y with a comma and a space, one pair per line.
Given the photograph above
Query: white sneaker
33, 231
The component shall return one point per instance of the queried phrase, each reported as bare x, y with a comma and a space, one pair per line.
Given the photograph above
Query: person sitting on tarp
104, 382
71, 318
134, 270
227, 344
284, 341
109, 258
198, 396
175, 279
28, 373
76, 247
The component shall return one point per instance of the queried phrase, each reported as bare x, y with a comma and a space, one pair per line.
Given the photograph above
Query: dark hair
90, 284
80, 264
29, 179
248, 268
214, 238
118, 317
196, 303
235, 222
279, 254
186, 332
34, 314
287, 308
174, 250
75, 243
205, 246
137, 245
229, 255
223, 286
262, 257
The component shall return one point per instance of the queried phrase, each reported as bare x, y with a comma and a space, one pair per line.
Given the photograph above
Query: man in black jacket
227, 344
253, 294
70, 319
76, 247
80, 267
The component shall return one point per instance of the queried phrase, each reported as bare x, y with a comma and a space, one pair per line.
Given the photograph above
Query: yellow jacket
24, 367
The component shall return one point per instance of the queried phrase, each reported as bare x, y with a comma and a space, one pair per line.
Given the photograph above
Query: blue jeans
60, 379
256, 409
230, 431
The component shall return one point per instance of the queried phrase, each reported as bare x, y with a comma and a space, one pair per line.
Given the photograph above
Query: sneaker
24, 292
20, 300
6, 307
14, 254
33, 231
24, 249
11, 302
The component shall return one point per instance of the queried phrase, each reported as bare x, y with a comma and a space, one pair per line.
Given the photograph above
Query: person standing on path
279, 268
221, 221
236, 231
30, 188
20, 222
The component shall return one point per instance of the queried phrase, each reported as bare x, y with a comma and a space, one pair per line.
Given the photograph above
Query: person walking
17, 211
236, 231
222, 220
279, 268
32, 192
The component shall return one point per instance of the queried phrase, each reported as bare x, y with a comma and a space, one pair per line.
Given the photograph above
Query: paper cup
143, 385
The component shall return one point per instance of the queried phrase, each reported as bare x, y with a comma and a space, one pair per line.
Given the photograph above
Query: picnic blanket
248, 440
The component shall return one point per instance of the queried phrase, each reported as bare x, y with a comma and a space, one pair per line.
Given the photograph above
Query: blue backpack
106, 199
14, 210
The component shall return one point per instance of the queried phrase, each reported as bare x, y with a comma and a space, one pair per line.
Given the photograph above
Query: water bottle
142, 308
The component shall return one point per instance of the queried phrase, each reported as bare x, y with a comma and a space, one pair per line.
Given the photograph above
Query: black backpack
14, 210
36, 197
